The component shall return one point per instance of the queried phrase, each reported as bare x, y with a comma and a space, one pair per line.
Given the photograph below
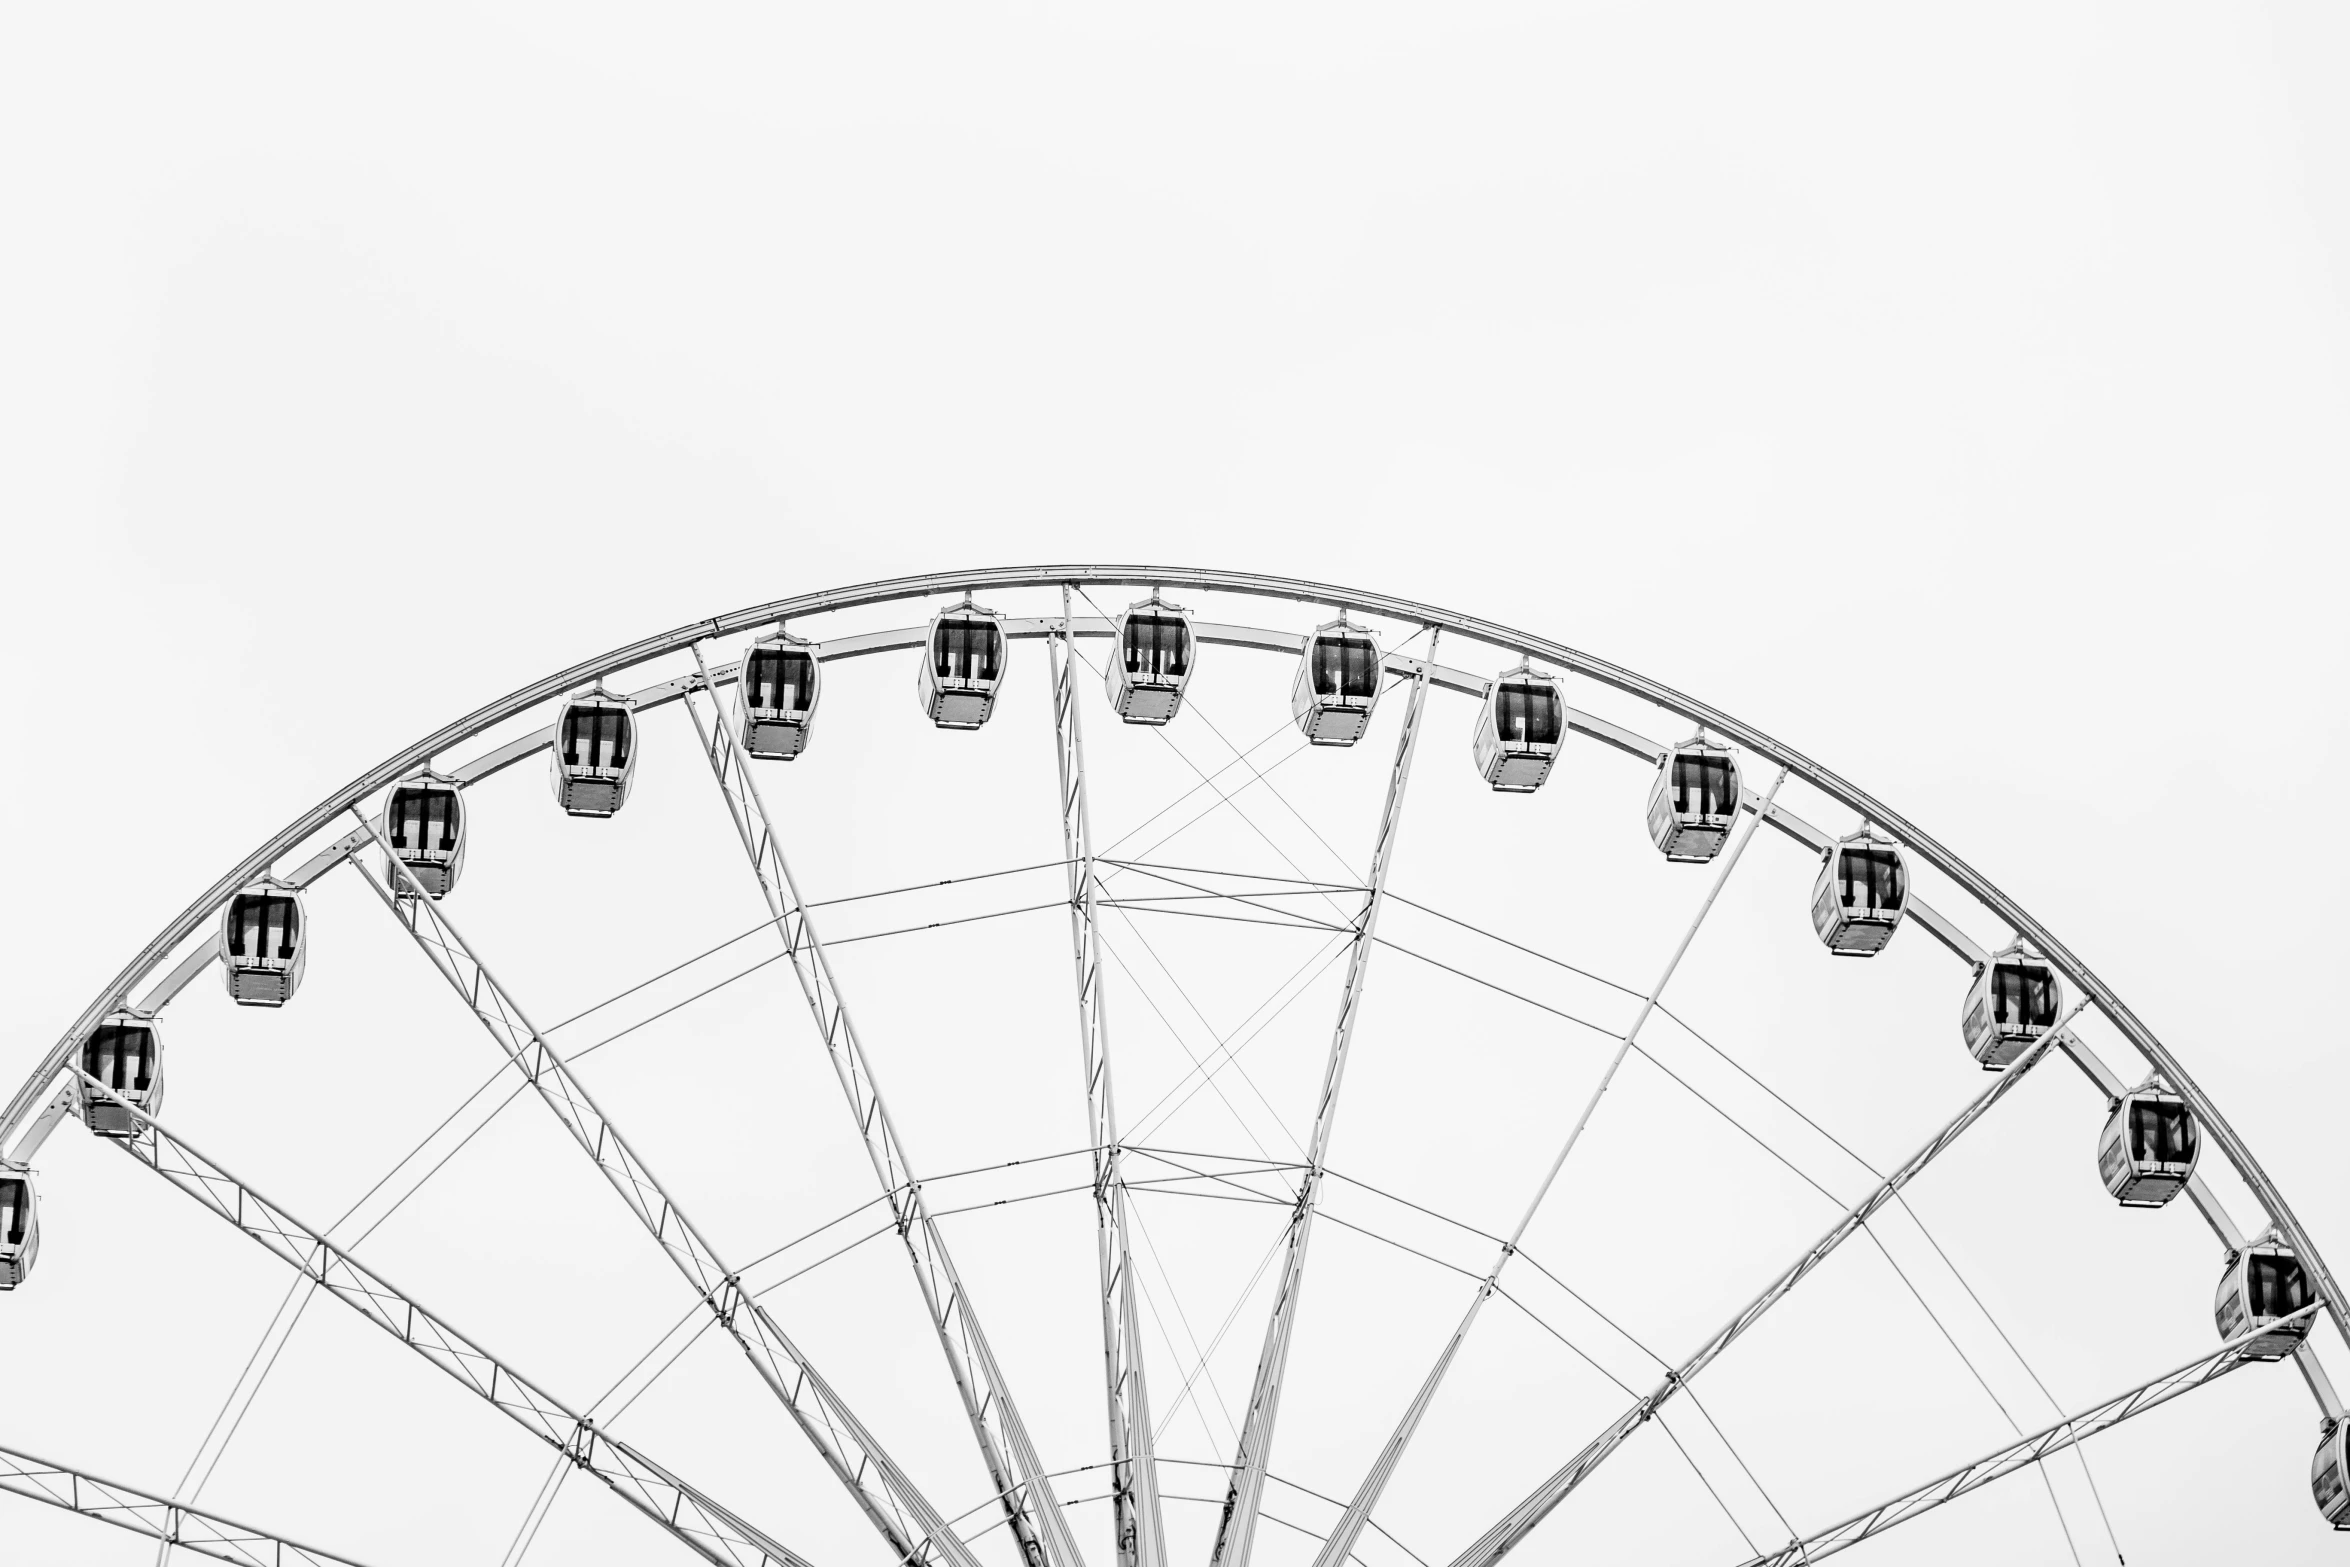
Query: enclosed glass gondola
424, 829
1694, 801
2329, 1474
1520, 729
126, 1054
2261, 1285
780, 676
1863, 890
2014, 1000
2147, 1151
594, 759
20, 1227
263, 937
1337, 683
1151, 649
962, 666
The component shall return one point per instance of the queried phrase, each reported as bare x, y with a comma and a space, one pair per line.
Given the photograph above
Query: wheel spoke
1134, 1474
1013, 1467
2029, 1450
1244, 1492
1350, 1524
158, 1518
719, 1535
843, 1441
1520, 1520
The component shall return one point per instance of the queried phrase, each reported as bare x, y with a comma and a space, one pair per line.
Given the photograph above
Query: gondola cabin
1863, 889
1694, 801
780, 676
2261, 1285
263, 937
2147, 1152
1151, 649
2014, 1000
1520, 729
2329, 1474
424, 829
594, 759
1337, 684
125, 1053
962, 666
20, 1227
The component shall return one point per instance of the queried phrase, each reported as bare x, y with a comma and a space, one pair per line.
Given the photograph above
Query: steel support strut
1134, 1476
1341, 1539
1245, 1492
717, 1534
1013, 1467
158, 1518
1520, 1520
896, 1507
2029, 1450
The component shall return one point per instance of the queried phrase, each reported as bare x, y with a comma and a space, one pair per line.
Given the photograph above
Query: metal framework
715, 1533
1134, 1474
189, 1527
1341, 1540
1019, 1476
841, 1439
1520, 1520
2024, 1452
1013, 1467
1244, 1495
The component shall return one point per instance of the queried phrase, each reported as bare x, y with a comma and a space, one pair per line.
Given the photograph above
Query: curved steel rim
1206, 579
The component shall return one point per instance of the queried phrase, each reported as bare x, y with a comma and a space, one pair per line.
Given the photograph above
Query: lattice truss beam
1245, 1489
717, 1534
1134, 1481
157, 1518
2027, 1451
912, 1527
1014, 1469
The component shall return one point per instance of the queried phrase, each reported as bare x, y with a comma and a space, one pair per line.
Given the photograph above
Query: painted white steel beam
2023, 1453
1017, 1473
897, 1508
188, 1527
1520, 1520
712, 1531
1134, 1474
1245, 1491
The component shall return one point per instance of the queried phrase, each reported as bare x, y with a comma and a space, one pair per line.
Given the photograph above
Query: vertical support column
1134, 1478
1013, 1467
1244, 1495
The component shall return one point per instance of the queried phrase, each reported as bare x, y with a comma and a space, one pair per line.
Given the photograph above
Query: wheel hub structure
1169, 1089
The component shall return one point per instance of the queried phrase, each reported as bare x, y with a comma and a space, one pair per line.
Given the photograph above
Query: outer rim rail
1256, 584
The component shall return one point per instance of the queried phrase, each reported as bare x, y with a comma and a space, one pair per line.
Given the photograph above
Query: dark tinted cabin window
1704, 786
1157, 646
965, 649
1526, 713
14, 1204
1871, 878
2023, 995
1344, 667
596, 736
779, 680
2161, 1130
123, 1058
424, 819
263, 925
2276, 1285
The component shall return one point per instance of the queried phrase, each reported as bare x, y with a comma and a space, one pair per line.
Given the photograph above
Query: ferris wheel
1061, 986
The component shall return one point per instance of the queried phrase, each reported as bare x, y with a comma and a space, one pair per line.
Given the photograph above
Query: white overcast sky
1959, 394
